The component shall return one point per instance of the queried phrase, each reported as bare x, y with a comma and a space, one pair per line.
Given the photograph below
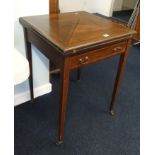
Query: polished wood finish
97, 55
54, 7
74, 40
72, 32
121, 66
64, 82
138, 28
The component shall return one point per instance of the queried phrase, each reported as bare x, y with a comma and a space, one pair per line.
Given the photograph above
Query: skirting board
39, 91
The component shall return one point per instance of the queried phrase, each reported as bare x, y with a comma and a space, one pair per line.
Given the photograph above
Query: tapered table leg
121, 66
29, 57
64, 77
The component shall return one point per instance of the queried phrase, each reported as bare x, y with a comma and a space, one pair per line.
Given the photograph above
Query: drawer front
97, 55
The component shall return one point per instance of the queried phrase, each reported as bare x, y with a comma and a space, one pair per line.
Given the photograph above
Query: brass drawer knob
83, 60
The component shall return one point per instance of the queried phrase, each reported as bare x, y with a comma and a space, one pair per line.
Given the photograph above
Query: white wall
129, 4
94, 6
118, 5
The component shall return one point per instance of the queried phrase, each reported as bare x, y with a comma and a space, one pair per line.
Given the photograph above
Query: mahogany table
73, 40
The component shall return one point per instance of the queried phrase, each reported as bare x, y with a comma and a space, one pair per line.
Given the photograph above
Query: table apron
97, 55
46, 48
78, 60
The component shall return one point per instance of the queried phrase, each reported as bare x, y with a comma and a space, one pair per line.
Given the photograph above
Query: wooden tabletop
70, 31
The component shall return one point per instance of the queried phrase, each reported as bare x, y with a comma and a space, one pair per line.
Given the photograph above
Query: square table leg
29, 57
64, 83
120, 71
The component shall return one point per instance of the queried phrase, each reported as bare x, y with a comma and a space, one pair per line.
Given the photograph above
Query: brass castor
112, 112
59, 143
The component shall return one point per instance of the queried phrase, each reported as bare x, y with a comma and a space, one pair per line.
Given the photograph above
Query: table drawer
96, 55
